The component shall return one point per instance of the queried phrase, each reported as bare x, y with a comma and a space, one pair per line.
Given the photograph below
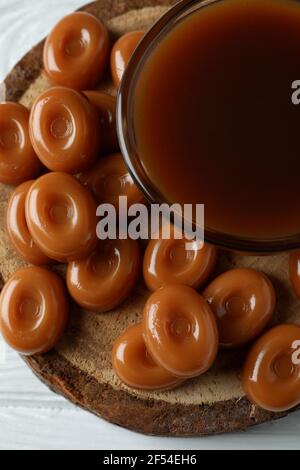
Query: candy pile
63, 157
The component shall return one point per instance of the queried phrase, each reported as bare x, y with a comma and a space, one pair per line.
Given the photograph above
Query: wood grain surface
80, 367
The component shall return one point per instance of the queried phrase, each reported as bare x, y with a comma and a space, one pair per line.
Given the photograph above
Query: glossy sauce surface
180, 331
106, 277
109, 179
134, 366
33, 310
76, 51
169, 262
18, 161
271, 375
61, 216
121, 54
227, 133
243, 301
17, 228
65, 130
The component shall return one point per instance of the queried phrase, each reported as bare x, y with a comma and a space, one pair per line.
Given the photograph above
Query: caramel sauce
214, 119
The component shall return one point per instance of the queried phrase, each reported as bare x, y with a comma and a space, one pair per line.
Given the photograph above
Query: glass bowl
127, 139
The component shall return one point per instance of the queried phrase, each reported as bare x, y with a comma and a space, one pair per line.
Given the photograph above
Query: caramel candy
243, 301
169, 262
17, 228
105, 279
65, 130
109, 179
105, 106
271, 374
134, 366
61, 217
76, 51
180, 331
33, 310
18, 161
121, 54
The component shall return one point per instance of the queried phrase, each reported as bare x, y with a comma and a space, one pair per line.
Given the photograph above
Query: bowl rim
126, 137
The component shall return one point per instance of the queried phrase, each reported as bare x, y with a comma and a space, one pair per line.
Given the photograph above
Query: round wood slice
80, 367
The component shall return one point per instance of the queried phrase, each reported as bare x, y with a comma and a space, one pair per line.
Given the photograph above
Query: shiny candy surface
105, 278
17, 228
33, 310
170, 262
243, 301
105, 106
76, 51
134, 366
121, 54
271, 374
180, 331
65, 130
109, 179
18, 161
61, 216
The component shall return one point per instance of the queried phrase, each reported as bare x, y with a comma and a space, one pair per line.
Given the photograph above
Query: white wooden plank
23, 23
18, 386
31, 416
38, 428
2, 352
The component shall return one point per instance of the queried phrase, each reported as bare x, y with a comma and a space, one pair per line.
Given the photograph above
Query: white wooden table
32, 417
